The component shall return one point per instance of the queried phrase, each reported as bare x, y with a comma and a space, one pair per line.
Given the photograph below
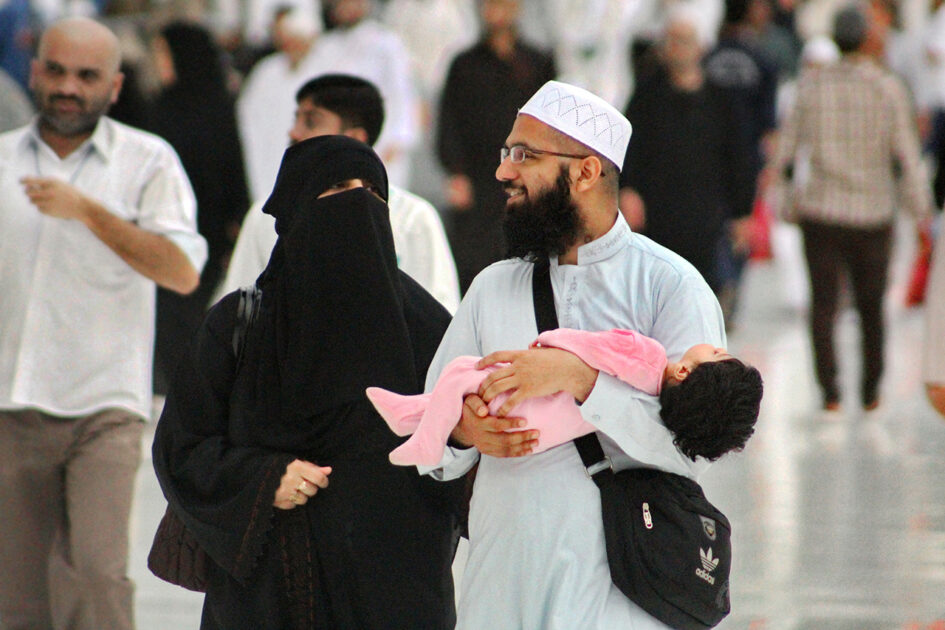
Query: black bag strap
592, 454
250, 298
544, 297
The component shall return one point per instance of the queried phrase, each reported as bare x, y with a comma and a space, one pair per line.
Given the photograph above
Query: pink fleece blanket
430, 418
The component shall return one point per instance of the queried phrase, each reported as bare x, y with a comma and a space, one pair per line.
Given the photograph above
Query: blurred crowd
795, 131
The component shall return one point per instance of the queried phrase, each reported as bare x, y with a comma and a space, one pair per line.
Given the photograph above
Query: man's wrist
456, 439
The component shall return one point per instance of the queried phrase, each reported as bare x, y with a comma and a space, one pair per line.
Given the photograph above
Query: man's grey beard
84, 121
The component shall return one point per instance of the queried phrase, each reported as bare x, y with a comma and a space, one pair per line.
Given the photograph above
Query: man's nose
506, 170
68, 85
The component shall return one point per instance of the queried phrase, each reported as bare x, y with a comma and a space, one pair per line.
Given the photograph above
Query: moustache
61, 97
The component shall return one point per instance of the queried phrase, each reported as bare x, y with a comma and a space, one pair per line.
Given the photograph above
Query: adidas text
705, 576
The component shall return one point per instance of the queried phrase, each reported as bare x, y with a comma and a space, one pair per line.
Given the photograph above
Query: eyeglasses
519, 152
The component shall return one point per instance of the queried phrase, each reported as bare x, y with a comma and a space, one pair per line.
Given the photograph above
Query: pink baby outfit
633, 358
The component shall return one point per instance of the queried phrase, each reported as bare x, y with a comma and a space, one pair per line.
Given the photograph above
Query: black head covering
198, 61
332, 320
312, 166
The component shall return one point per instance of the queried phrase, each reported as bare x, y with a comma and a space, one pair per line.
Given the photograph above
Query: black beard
545, 226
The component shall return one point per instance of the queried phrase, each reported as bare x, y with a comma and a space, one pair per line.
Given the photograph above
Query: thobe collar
100, 142
606, 246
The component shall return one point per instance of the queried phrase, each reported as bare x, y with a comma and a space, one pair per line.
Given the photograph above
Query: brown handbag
176, 556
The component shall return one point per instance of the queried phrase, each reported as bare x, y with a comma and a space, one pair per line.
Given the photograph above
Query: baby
709, 400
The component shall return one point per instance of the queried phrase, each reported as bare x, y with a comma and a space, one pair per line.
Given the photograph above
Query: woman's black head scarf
198, 61
332, 320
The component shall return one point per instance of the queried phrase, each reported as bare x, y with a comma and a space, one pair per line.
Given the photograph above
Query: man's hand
55, 198
489, 434
459, 192
535, 372
633, 209
740, 231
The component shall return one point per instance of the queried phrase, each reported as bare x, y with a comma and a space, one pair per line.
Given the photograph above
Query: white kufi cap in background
302, 21
584, 116
820, 50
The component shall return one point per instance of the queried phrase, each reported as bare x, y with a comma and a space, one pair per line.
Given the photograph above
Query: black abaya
374, 548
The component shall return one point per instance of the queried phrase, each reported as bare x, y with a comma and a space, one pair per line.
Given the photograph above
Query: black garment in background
740, 68
743, 71
936, 146
131, 108
374, 549
690, 164
478, 106
196, 116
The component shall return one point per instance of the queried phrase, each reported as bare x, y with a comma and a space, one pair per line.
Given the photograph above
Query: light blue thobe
536, 556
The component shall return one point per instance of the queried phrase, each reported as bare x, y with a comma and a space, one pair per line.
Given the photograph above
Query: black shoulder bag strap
592, 454
250, 298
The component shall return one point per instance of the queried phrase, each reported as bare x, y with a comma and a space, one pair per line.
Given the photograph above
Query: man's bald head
84, 33
75, 77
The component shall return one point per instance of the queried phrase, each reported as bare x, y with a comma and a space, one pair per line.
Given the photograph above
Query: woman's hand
300, 483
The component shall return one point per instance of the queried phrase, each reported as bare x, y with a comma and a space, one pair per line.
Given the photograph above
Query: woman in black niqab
373, 549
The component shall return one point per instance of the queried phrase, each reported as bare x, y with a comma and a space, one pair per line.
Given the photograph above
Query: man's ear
590, 171
117, 82
358, 133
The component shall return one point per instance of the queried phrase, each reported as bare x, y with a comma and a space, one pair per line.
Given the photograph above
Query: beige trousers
66, 487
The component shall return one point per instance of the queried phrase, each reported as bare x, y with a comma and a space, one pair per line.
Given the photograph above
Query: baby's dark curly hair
714, 410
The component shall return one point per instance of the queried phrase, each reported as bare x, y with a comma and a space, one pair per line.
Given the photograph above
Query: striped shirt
856, 123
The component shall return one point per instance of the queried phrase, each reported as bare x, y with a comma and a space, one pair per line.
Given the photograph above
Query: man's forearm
151, 255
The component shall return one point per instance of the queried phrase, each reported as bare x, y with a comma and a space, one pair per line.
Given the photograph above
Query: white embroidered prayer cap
584, 116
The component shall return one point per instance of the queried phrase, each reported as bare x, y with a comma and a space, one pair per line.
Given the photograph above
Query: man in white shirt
536, 543
263, 109
360, 45
348, 105
94, 214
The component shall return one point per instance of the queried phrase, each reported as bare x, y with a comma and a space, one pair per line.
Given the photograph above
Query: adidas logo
708, 562
708, 565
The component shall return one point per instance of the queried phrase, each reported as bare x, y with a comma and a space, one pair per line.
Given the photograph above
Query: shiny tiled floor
838, 524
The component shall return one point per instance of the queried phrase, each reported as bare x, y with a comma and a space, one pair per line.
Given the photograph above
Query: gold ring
301, 486
295, 498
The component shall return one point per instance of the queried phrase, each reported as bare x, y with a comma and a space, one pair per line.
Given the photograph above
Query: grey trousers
66, 487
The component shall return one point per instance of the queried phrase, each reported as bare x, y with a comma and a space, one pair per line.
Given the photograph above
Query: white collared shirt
536, 541
76, 321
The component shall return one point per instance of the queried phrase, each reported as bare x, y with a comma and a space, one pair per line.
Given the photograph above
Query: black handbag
176, 556
668, 548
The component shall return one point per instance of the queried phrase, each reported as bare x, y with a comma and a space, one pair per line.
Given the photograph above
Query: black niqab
331, 322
